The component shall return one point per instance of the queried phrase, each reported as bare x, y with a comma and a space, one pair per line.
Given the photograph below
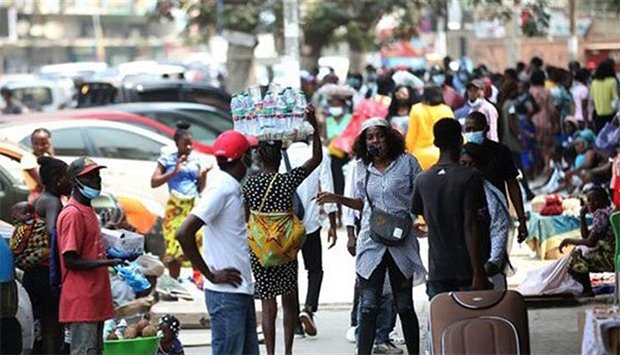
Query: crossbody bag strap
262, 204
366, 189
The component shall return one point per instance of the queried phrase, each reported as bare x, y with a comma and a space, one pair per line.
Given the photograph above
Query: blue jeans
233, 323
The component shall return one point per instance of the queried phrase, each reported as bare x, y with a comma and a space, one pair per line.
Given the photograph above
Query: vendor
596, 248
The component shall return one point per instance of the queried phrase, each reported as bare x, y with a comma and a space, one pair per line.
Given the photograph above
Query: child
170, 344
22, 212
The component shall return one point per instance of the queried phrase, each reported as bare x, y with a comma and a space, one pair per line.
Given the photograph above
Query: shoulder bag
387, 228
275, 237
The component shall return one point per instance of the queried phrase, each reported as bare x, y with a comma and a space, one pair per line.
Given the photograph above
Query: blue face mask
88, 192
439, 79
475, 137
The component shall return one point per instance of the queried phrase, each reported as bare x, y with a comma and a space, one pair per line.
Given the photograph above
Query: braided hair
171, 322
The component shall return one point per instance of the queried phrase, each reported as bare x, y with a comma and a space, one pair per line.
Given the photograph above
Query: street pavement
552, 330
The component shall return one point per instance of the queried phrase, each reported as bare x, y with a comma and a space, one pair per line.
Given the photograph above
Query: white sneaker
396, 338
350, 336
386, 348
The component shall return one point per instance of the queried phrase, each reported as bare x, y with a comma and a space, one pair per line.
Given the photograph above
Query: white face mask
477, 102
336, 111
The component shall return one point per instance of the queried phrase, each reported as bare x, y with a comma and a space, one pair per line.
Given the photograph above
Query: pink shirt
86, 295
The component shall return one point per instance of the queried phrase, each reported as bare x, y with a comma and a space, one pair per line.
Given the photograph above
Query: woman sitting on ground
596, 249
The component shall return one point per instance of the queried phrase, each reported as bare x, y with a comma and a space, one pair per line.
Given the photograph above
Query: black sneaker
307, 321
299, 331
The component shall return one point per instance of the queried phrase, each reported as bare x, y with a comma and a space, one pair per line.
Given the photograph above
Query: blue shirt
7, 269
185, 182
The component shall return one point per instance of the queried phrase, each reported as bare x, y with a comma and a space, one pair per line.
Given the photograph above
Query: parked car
207, 121
39, 95
13, 189
149, 90
129, 152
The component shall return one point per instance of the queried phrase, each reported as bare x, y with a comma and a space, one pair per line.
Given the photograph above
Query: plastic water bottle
249, 114
237, 110
299, 110
269, 110
281, 115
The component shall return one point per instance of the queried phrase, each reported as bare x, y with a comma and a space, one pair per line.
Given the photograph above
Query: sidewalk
552, 330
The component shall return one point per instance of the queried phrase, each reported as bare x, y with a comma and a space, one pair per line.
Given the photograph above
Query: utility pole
291, 43
573, 42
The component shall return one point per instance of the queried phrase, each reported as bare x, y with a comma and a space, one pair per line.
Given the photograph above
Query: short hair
537, 78
270, 152
432, 95
582, 75
477, 153
536, 61
479, 118
40, 130
181, 131
447, 132
50, 170
599, 193
394, 140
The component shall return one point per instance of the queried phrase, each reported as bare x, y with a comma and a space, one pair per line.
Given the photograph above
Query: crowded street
313, 177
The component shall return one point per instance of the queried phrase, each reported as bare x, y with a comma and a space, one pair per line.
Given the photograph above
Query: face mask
474, 137
439, 79
477, 102
336, 111
88, 192
374, 150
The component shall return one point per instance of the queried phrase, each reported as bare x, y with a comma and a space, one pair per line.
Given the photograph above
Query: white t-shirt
225, 241
29, 162
580, 93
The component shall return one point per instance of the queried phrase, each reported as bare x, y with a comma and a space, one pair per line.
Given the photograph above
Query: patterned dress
183, 189
601, 257
281, 279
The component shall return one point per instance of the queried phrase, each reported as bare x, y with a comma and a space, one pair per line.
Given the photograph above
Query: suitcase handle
478, 299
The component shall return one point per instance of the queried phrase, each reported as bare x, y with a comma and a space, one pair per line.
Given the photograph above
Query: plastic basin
137, 346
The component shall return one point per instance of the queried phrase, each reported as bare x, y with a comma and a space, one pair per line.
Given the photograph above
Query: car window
66, 142
219, 121
119, 144
34, 97
203, 133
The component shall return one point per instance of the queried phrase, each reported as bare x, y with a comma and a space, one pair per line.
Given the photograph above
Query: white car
129, 152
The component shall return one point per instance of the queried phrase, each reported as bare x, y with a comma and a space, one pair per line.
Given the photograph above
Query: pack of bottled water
278, 115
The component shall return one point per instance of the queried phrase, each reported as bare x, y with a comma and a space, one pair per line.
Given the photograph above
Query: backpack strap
262, 204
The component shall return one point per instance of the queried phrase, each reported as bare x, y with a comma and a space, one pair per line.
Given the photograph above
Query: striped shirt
392, 192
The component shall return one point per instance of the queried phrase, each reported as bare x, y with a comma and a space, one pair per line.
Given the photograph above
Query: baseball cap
232, 145
476, 83
82, 166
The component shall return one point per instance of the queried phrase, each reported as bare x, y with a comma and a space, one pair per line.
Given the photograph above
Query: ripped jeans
370, 298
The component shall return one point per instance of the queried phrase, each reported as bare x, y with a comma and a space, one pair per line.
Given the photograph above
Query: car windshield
34, 97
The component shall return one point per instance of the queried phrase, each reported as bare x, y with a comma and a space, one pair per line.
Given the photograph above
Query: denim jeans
233, 323
371, 291
386, 320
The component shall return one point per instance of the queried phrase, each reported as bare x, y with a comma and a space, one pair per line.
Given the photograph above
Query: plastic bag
551, 280
150, 265
121, 291
133, 276
122, 244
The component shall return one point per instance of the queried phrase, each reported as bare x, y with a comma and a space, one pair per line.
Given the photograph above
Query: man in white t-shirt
226, 265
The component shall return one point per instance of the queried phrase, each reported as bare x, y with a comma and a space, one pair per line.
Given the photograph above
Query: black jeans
337, 174
371, 290
312, 254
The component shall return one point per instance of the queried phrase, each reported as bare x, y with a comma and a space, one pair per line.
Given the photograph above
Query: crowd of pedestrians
394, 156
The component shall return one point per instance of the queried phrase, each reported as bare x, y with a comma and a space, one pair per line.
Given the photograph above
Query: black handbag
387, 228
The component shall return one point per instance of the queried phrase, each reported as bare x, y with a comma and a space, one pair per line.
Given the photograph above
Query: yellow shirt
419, 140
604, 93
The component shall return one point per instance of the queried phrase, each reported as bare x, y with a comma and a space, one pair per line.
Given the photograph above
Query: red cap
232, 145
